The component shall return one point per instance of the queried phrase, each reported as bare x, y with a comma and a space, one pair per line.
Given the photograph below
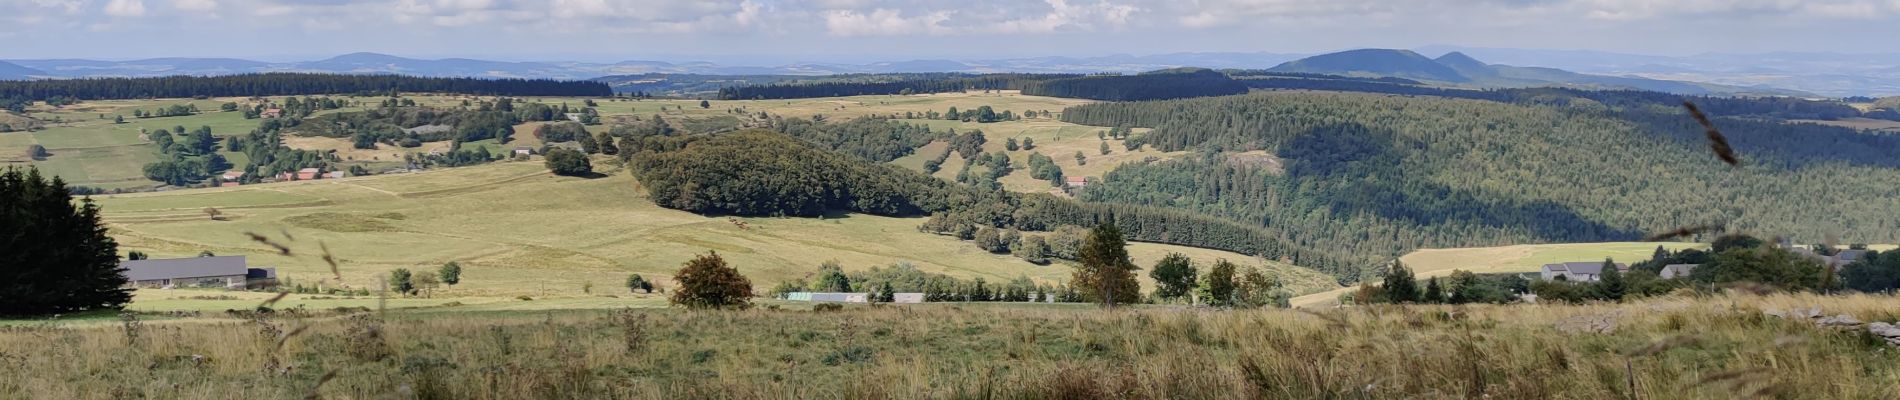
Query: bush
707, 282
569, 163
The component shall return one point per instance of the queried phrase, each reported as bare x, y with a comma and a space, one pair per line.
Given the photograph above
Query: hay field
519, 231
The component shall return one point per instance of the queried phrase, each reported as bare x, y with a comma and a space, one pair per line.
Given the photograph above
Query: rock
1890, 332
1838, 321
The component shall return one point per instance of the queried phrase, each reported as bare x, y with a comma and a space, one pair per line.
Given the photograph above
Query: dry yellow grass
520, 231
1668, 348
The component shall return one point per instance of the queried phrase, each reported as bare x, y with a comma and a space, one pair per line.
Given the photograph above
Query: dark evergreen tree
55, 256
1400, 286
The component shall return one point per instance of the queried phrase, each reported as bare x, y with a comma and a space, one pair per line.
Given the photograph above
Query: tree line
902, 84
1367, 175
286, 83
1159, 85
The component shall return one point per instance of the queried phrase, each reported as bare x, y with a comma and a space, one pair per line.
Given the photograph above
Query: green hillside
520, 231
1375, 62
1379, 175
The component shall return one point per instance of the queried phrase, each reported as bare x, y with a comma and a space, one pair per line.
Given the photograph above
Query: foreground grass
1660, 349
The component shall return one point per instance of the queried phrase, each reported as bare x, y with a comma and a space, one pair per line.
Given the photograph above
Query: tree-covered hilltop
280, 84
765, 173
1376, 174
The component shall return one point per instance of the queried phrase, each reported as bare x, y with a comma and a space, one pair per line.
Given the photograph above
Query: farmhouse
232, 176
1077, 181
524, 151
225, 271
1675, 271
272, 113
1845, 257
1584, 271
308, 174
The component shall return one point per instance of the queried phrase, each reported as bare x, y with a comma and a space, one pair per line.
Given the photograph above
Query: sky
775, 31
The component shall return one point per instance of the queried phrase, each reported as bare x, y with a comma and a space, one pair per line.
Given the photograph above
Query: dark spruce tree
1400, 285
55, 256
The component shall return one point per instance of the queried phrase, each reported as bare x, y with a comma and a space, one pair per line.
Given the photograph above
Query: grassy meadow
519, 231
1660, 348
89, 149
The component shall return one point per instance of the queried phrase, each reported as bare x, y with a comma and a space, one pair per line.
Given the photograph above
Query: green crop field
519, 231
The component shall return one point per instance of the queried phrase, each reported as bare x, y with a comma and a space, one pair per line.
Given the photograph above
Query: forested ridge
1377, 175
285, 83
766, 173
850, 85
1166, 84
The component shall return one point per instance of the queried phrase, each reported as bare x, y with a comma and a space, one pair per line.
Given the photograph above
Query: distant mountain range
1793, 73
1828, 74
384, 63
1457, 68
15, 71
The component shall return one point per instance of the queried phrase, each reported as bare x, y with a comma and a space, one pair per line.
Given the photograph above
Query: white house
1677, 271
1584, 271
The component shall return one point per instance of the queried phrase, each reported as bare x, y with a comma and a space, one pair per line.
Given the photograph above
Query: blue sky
863, 30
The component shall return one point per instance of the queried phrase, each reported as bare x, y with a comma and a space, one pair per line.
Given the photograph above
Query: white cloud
125, 8
884, 22
196, 5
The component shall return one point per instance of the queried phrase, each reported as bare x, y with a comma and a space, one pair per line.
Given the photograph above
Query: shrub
569, 163
707, 282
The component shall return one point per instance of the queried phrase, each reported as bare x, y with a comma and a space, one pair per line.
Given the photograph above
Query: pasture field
519, 231
88, 149
1720, 347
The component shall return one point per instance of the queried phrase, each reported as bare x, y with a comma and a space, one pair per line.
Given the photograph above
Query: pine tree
67, 263
1105, 274
1400, 286
1610, 285
1433, 293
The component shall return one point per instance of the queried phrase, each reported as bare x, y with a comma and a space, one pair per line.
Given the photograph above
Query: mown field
519, 231
1661, 348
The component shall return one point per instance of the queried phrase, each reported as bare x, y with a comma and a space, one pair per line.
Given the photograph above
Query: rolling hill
520, 231
16, 71
1376, 62
1458, 69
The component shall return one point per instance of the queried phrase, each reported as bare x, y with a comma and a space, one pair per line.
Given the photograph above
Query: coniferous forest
1375, 174
281, 84
866, 85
